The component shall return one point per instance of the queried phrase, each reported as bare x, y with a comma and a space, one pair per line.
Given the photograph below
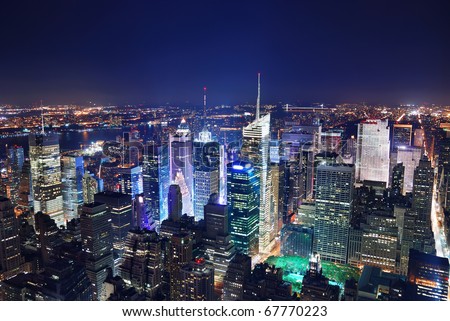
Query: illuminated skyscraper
156, 180
197, 281
175, 202
410, 157
238, 272
255, 149
206, 171
334, 201
427, 277
181, 166
46, 175
380, 241
220, 249
372, 156
142, 262
25, 197
72, 185
130, 180
90, 188
180, 254
401, 135
421, 207
15, 163
10, 258
121, 214
97, 243
243, 190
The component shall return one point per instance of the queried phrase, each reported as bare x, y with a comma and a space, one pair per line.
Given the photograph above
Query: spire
258, 100
42, 118
204, 106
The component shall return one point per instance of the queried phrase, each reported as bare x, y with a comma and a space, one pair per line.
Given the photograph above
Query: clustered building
184, 217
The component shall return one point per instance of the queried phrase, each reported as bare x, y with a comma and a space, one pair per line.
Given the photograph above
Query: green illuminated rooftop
295, 267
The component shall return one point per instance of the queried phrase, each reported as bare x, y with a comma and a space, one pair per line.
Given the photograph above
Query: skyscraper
380, 241
196, 281
25, 197
15, 163
410, 157
180, 254
427, 277
46, 175
142, 262
72, 185
220, 249
10, 258
206, 171
401, 135
334, 201
181, 167
156, 180
255, 149
120, 210
421, 207
90, 187
130, 180
372, 156
97, 243
238, 271
175, 202
243, 190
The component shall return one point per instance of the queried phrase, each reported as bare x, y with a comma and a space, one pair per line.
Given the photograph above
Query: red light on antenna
204, 88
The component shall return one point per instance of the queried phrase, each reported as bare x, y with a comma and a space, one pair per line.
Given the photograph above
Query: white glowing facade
255, 148
45, 164
181, 164
372, 155
410, 157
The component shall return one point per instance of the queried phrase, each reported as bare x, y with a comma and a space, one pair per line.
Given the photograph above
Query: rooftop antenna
42, 118
258, 100
204, 107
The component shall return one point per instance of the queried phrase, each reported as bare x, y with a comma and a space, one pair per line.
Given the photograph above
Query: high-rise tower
372, 156
255, 149
46, 175
181, 169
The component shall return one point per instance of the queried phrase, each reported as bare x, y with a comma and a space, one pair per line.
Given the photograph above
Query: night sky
157, 52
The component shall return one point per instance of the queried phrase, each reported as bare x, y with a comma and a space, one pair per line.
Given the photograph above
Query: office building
206, 171
315, 286
97, 243
380, 241
72, 185
156, 180
10, 257
219, 247
372, 156
196, 281
46, 176
410, 158
121, 214
401, 135
15, 162
427, 277
255, 149
297, 240
142, 262
181, 164
239, 270
91, 187
243, 190
334, 201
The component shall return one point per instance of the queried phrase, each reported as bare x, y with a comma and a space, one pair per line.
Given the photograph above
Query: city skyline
159, 52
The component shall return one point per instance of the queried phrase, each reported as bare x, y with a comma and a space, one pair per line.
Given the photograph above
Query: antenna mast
204, 107
258, 100
42, 118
